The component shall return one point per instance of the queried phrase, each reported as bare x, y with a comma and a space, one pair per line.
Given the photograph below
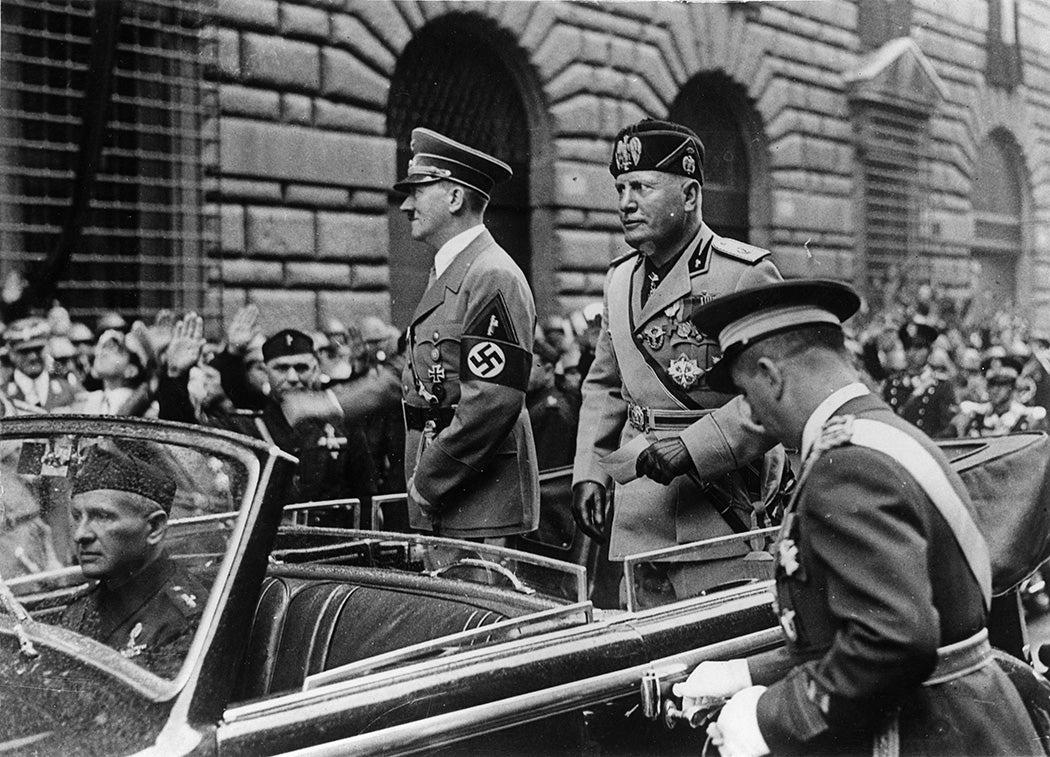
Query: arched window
453, 77
709, 106
998, 203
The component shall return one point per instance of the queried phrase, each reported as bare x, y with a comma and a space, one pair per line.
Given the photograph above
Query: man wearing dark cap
32, 387
143, 604
648, 375
1003, 413
922, 394
883, 581
469, 454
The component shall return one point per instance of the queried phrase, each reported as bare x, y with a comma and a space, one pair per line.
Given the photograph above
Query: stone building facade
862, 140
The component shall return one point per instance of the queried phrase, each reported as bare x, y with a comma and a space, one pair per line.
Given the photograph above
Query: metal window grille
896, 187
145, 236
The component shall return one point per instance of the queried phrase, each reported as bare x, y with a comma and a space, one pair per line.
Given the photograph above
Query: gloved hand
588, 508
664, 460
736, 734
713, 679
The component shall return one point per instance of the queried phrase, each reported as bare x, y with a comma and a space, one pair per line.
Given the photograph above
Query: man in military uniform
921, 393
143, 603
648, 374
1003, 413
32, 385
883, 581
469, 454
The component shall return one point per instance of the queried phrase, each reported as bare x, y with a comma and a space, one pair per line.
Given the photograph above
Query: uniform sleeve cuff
738, 722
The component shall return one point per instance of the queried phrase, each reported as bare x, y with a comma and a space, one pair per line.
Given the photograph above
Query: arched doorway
711, 105
997, 195
454, 77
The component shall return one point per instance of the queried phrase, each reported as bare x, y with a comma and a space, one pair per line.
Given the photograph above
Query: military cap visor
744, 318
917, 334
27, 333
1001, 370
435, 157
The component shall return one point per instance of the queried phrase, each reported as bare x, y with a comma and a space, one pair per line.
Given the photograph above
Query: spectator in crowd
384, 427
883, 581
1036, 372
124, 365
922, 393
568, 377
142, 602
554, 417
31, 384
648, 376
334, 358
84, 341
64, 360
1002, 413
469, 454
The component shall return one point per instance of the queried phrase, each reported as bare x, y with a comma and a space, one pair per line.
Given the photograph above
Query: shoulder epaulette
626, 256
733, 248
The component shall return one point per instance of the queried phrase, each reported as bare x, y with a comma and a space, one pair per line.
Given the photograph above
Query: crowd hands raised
955, 366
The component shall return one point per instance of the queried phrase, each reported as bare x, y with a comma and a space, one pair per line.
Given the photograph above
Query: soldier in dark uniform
143, 603
647, 377
883, 581
469, 455
921, 394
1003, 413
553, 415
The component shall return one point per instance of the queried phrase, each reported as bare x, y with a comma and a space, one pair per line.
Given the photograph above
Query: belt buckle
637, 416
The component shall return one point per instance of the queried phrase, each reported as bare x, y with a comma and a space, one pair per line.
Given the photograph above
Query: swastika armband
494, 361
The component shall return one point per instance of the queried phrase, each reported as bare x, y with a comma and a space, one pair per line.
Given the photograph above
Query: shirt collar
37, 387
444, 257
826, 409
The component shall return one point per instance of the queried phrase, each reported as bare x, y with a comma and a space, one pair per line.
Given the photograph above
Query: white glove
714, 680
736, 734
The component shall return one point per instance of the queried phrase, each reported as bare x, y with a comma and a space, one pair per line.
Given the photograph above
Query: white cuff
738, 723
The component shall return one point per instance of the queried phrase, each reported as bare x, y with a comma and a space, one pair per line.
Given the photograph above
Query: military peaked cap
285, 343
917, 334
651, 145
27, 332
435, 157
744, 318
1001, 368
110, 469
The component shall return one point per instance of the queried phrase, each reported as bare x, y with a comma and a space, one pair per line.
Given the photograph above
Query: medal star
684, 371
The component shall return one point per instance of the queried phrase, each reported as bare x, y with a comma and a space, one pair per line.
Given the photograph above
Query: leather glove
588, 508
664, 460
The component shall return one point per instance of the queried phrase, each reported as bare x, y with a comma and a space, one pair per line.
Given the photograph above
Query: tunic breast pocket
435, 351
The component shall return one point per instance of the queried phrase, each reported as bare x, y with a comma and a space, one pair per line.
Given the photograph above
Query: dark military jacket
554, 419
870, 582
927, 401
468, 442
151, 618
653, 356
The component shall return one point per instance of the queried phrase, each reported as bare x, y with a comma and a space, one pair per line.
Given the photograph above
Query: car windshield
117, 537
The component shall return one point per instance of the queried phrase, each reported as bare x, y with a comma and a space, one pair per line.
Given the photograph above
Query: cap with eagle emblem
436, 157
651, 145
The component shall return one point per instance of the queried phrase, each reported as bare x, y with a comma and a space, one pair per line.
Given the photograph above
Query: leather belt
961, 658
417, 418
647, 419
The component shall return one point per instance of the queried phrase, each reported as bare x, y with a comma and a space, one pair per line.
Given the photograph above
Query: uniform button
436, 336
922, 411
435, 354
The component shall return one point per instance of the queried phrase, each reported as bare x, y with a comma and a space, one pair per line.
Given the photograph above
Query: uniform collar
37, 387
116, 605
676, 284
450, 249
826, 409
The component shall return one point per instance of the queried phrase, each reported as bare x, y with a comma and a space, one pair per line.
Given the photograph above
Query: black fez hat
651, 145
111, 469
1001, 368
435, 157
744, 318
917, 334
285, 343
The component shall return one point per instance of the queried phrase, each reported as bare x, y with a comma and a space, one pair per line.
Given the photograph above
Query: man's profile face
426, 208
758, 396
652, 209
111, 359
112, 531
291, 373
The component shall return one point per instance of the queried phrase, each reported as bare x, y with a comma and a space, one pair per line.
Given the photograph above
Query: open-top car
332, 641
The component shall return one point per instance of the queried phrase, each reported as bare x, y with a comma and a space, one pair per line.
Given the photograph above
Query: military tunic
468, 441
651, 359
151, 619
870, 582
927, 401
